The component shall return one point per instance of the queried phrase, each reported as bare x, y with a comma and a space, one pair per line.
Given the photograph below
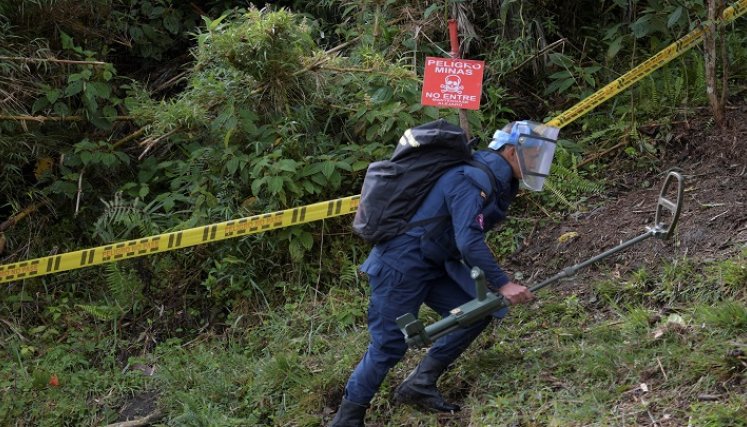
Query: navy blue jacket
464, 194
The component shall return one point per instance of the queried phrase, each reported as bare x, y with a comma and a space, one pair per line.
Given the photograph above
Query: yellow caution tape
177, 239
318, 211
643, 69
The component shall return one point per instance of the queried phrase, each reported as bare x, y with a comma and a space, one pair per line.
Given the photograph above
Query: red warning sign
452, 83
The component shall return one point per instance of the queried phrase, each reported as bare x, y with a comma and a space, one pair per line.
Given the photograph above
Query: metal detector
487, 302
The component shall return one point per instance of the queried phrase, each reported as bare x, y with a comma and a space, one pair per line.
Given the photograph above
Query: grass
666, 347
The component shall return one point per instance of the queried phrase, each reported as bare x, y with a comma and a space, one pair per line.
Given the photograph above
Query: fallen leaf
567, 236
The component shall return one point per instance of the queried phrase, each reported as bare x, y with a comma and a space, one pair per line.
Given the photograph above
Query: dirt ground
712, 224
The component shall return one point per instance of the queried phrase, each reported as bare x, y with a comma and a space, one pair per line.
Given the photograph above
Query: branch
363, 70
56, 61
539, 53
593, 157
10, 222
150, 142
343, 45
724, 69
138, 421
710, 33
42, 119
14, 329
129, 137
170, 82
319, 63
80, 193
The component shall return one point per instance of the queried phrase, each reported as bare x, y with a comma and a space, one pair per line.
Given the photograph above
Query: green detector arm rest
466, 314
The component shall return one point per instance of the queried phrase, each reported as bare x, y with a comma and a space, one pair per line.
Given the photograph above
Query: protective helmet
535, 148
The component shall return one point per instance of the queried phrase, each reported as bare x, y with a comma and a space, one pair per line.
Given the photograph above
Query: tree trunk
715, 7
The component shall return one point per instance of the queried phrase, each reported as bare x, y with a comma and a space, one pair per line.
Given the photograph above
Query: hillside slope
655, 335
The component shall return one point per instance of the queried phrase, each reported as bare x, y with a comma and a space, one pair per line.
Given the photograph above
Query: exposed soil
712, 225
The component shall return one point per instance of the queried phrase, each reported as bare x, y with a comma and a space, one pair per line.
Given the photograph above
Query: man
430, 264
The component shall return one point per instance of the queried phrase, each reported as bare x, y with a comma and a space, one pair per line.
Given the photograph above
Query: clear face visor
535, 151
535, 155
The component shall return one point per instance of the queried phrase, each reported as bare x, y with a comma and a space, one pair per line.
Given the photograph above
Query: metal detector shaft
486, 302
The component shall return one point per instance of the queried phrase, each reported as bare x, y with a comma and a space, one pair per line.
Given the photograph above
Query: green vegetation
613, 357
121, 119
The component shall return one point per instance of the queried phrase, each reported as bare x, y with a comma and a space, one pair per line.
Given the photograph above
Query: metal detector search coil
418, 335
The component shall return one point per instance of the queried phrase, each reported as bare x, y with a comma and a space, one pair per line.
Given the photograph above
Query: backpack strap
489, 173
440, 218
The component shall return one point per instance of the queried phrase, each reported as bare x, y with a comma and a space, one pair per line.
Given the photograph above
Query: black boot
349, 414
419, 388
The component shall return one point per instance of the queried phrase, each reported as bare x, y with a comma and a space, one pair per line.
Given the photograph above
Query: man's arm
465, 204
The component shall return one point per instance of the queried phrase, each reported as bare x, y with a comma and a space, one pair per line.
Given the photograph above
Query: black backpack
394, 189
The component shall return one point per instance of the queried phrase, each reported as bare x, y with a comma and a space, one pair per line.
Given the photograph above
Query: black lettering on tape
10, 273
20, 270
208, 233
147, 245
237, 227
86, 257
107, 254
30, 270
269, 222
53, 264
242, 226
175, 240
354, 202
129, 249
266, 221
27, 269
119, 250
299, 214
254, 224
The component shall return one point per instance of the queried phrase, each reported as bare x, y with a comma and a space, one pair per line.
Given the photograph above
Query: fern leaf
101, 312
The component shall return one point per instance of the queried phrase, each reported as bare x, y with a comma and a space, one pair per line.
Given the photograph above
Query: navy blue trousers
392, 295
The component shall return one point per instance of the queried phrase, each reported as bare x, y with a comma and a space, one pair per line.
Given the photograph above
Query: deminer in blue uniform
431, 264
